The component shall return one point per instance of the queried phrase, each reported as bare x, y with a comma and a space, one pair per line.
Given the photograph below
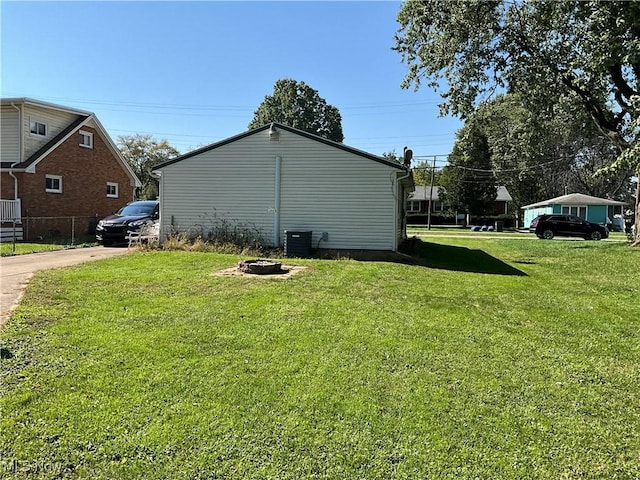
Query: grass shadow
433, 255
459, 259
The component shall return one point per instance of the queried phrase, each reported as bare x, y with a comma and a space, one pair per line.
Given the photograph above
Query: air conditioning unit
297, 244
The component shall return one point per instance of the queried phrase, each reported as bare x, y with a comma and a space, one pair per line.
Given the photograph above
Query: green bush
218, 234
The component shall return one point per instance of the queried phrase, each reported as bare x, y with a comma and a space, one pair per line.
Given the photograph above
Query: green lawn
477, 358
22, 248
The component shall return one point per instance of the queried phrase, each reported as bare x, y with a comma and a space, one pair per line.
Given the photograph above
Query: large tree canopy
547, 153
468, 183
142, 152
585, 52
298, 105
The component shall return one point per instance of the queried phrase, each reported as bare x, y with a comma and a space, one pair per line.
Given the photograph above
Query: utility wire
200, 107
496, 170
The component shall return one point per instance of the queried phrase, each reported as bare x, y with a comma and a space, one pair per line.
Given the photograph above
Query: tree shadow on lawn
459, 259
433, 255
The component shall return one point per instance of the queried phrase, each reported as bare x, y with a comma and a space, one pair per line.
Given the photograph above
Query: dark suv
114, 229
548, 226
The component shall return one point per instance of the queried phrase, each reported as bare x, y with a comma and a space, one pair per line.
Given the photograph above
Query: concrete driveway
16, 271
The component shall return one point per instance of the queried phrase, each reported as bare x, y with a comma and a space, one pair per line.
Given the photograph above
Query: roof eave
40, 103
311, 136
135, 181
84, 118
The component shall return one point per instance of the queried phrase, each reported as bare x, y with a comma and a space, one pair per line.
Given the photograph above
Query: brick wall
85, 173
6, 185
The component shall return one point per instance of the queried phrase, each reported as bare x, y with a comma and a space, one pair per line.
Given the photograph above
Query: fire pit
260, 267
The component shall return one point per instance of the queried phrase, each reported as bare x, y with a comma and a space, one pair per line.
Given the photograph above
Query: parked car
549, 226
115, 228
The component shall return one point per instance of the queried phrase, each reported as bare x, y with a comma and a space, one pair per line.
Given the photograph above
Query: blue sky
194, 72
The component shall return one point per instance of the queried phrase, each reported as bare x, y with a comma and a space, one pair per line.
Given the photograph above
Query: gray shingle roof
575, 199
423, 193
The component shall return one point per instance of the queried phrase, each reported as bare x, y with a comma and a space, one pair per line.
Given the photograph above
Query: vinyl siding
55, 120
597, 214
347, 196
531, 213
10, 134
323, 189
227, 185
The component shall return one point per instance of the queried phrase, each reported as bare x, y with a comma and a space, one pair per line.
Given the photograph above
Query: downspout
276, 203
20, 134
402, 204
161, 217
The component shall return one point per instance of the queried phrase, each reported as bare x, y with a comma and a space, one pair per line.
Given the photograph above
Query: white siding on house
56, 121
10, 134
322, 189
532, 213
229, 184
325, 189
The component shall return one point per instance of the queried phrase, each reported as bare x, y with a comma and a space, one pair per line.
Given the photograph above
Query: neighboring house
60, 170
277, 178
592, 209
418, 202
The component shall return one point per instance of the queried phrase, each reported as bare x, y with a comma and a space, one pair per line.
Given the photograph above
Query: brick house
418, 203
59, 171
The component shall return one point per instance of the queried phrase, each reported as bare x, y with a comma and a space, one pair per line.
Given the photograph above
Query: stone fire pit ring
260, 267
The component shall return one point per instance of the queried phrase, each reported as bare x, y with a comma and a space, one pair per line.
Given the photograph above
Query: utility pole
433, 169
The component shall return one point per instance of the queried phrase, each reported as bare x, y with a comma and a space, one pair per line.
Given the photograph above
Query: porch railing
10, 211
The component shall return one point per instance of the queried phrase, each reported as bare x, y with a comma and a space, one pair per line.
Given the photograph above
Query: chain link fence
71, 230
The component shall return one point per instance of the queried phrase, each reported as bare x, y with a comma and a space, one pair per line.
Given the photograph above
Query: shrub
218, 234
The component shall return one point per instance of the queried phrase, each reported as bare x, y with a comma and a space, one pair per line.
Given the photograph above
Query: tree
391, 156
546, 153
142, 153
587, 53
467, 182
519, 157
298, 105
422, 174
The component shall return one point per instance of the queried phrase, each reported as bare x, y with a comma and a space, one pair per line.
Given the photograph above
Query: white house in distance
279, 179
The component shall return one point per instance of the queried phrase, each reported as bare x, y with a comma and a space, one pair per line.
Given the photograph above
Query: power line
202, 107
222, 111
494, 170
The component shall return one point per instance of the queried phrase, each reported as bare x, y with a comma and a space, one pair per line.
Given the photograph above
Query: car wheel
547, 234
596, 235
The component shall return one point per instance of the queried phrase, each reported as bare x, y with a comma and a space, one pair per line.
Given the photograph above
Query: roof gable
311, 136
422, 192
50, 145
84, 118
503, 195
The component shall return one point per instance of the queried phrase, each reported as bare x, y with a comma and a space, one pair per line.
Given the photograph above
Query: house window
577, 210
38, 128
413, 207
53, 184
112, 190
86, 139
